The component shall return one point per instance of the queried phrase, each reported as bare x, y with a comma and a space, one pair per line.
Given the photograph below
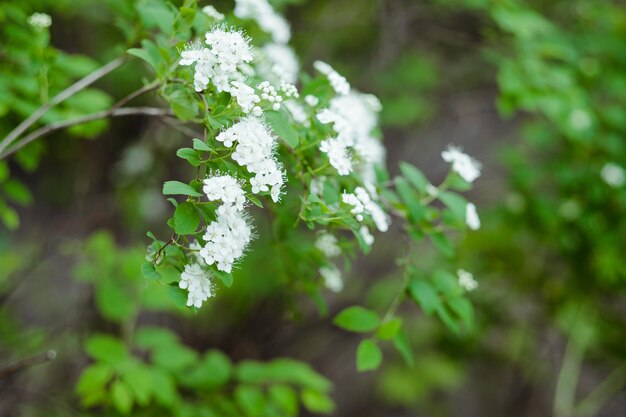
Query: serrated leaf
368, 356
357, 319
179, 188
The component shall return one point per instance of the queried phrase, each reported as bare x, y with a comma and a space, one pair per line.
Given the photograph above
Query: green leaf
186, 219
254, 200
317, 402
200, 145
455, 203
401, 343
182, 101
190, 155
94, 379
164, 387
357, 319
212, 372
279, 121
424, 295
410, 199
122, 396
251, 400
106, 349
225, 277
139, 379
179, 188
285, 398
368, 356
442, 243
17, 192
148, 271
178, 296
282, 371
415, 176
462, 307
389, 329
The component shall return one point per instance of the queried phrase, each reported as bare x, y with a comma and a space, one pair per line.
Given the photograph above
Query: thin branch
135, 94
68, 92
112, 112
25, 363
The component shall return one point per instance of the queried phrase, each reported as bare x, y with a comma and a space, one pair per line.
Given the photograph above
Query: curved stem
68, 92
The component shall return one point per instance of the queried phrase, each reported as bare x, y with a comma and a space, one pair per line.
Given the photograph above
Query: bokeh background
535, 90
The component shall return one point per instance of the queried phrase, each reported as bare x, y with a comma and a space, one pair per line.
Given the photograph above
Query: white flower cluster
471, 217
466, 280
255, 150
353, 117
246, 97
362, 203
268, 93
338, 82
227, 237
40, 20
266, 17
212, 13
327, 244
278, 61
332, 278
221, 61
196, 280
466, 166
613, 174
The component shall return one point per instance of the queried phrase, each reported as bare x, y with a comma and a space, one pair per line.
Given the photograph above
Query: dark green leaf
186, 219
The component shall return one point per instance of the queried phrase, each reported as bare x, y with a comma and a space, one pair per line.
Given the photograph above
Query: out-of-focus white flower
311, 100
466, 166
332, 278
613, 174
266, 17
255, 151
366, 235
196, 280
280, 62
466, 280
212, 13
220, 62
471, 217
327, 244
317, 185
40, 20
569, 210
362, 203
580, 119
338, 82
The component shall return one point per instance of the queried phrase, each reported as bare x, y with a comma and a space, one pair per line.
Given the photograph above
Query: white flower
220, 62
269, 94
366, 235
362, 203
580, 119
471, 217
337, 81
613, 174
332, 278
255, 150
279, 61
245, 95
196, 281
466, 280
226, 238
311, 100
266, 17
40, 20
225, 188
316, 185
212, 13
327, 244
338, 155
466, 166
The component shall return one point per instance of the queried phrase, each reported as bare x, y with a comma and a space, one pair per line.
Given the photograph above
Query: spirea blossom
471, 217
466, 280
266, 17
246, 97
196, 280
219, 62
327, 244
225, 188
613, 174
226, 238
366, 235
279, 62
362, 203
40, 20
466, 166
255, 150
212, 13
338, 82
332, 278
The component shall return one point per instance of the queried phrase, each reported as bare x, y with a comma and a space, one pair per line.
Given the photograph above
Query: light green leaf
179, 188
317, 402
121, 396
106, 349
368, 356
279, 122
190, 155
424, 295
200, 145
357, 319
389, 329
285, 398
415, 176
